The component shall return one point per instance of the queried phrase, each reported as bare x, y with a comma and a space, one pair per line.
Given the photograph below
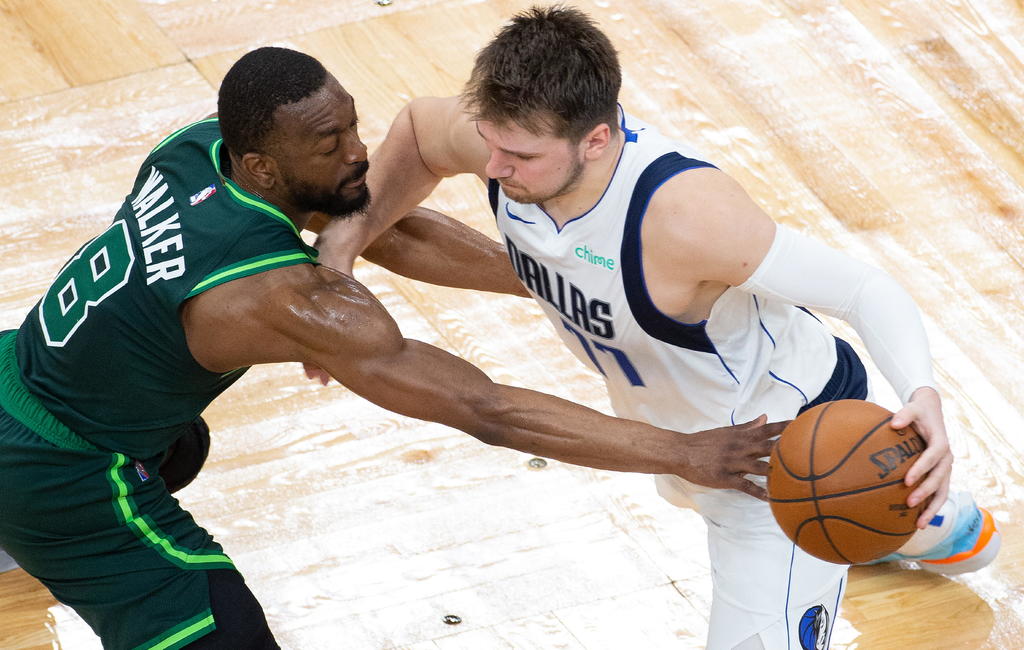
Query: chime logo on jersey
814, 628
584, 253
591, 315
202, 195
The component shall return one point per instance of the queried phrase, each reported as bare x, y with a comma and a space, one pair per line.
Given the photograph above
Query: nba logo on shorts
144, 475
814, 628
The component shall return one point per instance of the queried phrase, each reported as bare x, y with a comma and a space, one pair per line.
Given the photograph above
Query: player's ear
261, 167
596, 141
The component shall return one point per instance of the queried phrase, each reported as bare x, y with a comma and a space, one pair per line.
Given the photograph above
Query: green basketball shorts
100, 529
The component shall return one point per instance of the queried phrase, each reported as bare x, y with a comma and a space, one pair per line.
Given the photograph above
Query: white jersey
751, 356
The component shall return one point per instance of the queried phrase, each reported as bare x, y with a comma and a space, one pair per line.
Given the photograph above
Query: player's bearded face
340, 200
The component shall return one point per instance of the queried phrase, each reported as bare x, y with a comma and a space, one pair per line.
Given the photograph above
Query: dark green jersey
104, 349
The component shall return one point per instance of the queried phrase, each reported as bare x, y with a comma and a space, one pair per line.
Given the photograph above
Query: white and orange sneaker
961, 538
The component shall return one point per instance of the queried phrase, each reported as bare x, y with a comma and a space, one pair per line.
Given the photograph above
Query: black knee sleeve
241, 624
186, 456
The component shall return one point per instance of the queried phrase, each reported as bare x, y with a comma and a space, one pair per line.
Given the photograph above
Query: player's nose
356, 150
498, 166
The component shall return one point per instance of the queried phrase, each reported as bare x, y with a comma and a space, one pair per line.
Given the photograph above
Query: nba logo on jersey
814, 628
141, 470
202, 195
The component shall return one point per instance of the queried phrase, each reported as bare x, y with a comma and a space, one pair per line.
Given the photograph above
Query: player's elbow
880, 292
878, 282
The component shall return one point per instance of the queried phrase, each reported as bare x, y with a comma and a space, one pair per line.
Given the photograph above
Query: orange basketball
835, 482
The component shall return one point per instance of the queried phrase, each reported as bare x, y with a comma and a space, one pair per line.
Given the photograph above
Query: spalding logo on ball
835, 482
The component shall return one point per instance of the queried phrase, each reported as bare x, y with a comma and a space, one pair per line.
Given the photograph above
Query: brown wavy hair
550, 70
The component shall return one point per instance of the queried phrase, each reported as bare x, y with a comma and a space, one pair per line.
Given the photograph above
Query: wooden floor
891, 128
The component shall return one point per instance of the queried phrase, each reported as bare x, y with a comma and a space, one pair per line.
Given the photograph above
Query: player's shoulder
659, 164
693, 191
205, 131
186, 154
694, 208
335, 308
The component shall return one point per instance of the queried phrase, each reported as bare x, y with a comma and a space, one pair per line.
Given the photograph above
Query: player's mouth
357, 183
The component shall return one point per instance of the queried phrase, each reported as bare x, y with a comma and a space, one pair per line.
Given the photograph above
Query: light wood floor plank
25, 70
202, 28
86, 41
888, 128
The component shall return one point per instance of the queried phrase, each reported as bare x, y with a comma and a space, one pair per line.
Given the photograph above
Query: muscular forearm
548, 426
425, 382
431, 247
428, 383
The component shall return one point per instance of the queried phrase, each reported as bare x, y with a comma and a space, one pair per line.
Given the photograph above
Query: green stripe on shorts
150, 534
182, 634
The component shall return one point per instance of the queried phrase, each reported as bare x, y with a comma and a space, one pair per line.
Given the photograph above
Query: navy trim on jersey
848, 381
764, 328
622, 153
515, 217
789, 590
691, 336
630, 133
803, 396
492, 195
757, 306
835, 612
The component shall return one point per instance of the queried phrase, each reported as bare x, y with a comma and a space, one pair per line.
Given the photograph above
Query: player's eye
329, 147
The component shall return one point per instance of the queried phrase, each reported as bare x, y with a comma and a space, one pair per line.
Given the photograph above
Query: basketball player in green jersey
201, 274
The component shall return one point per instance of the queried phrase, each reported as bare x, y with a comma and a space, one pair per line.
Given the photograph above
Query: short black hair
255, 86
550, 69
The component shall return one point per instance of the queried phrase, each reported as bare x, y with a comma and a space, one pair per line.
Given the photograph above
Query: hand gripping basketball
836, 482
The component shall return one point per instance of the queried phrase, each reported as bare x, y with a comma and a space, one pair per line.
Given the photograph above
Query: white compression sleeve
802, 271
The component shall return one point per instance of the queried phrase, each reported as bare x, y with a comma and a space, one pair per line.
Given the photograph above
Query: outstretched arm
330, 320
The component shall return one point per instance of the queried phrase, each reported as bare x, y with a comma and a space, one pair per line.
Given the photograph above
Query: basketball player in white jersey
659, 272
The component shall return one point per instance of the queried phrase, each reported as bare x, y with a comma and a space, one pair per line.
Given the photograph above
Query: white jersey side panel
751, 356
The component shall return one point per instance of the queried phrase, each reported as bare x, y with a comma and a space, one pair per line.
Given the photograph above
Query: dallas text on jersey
593, 316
